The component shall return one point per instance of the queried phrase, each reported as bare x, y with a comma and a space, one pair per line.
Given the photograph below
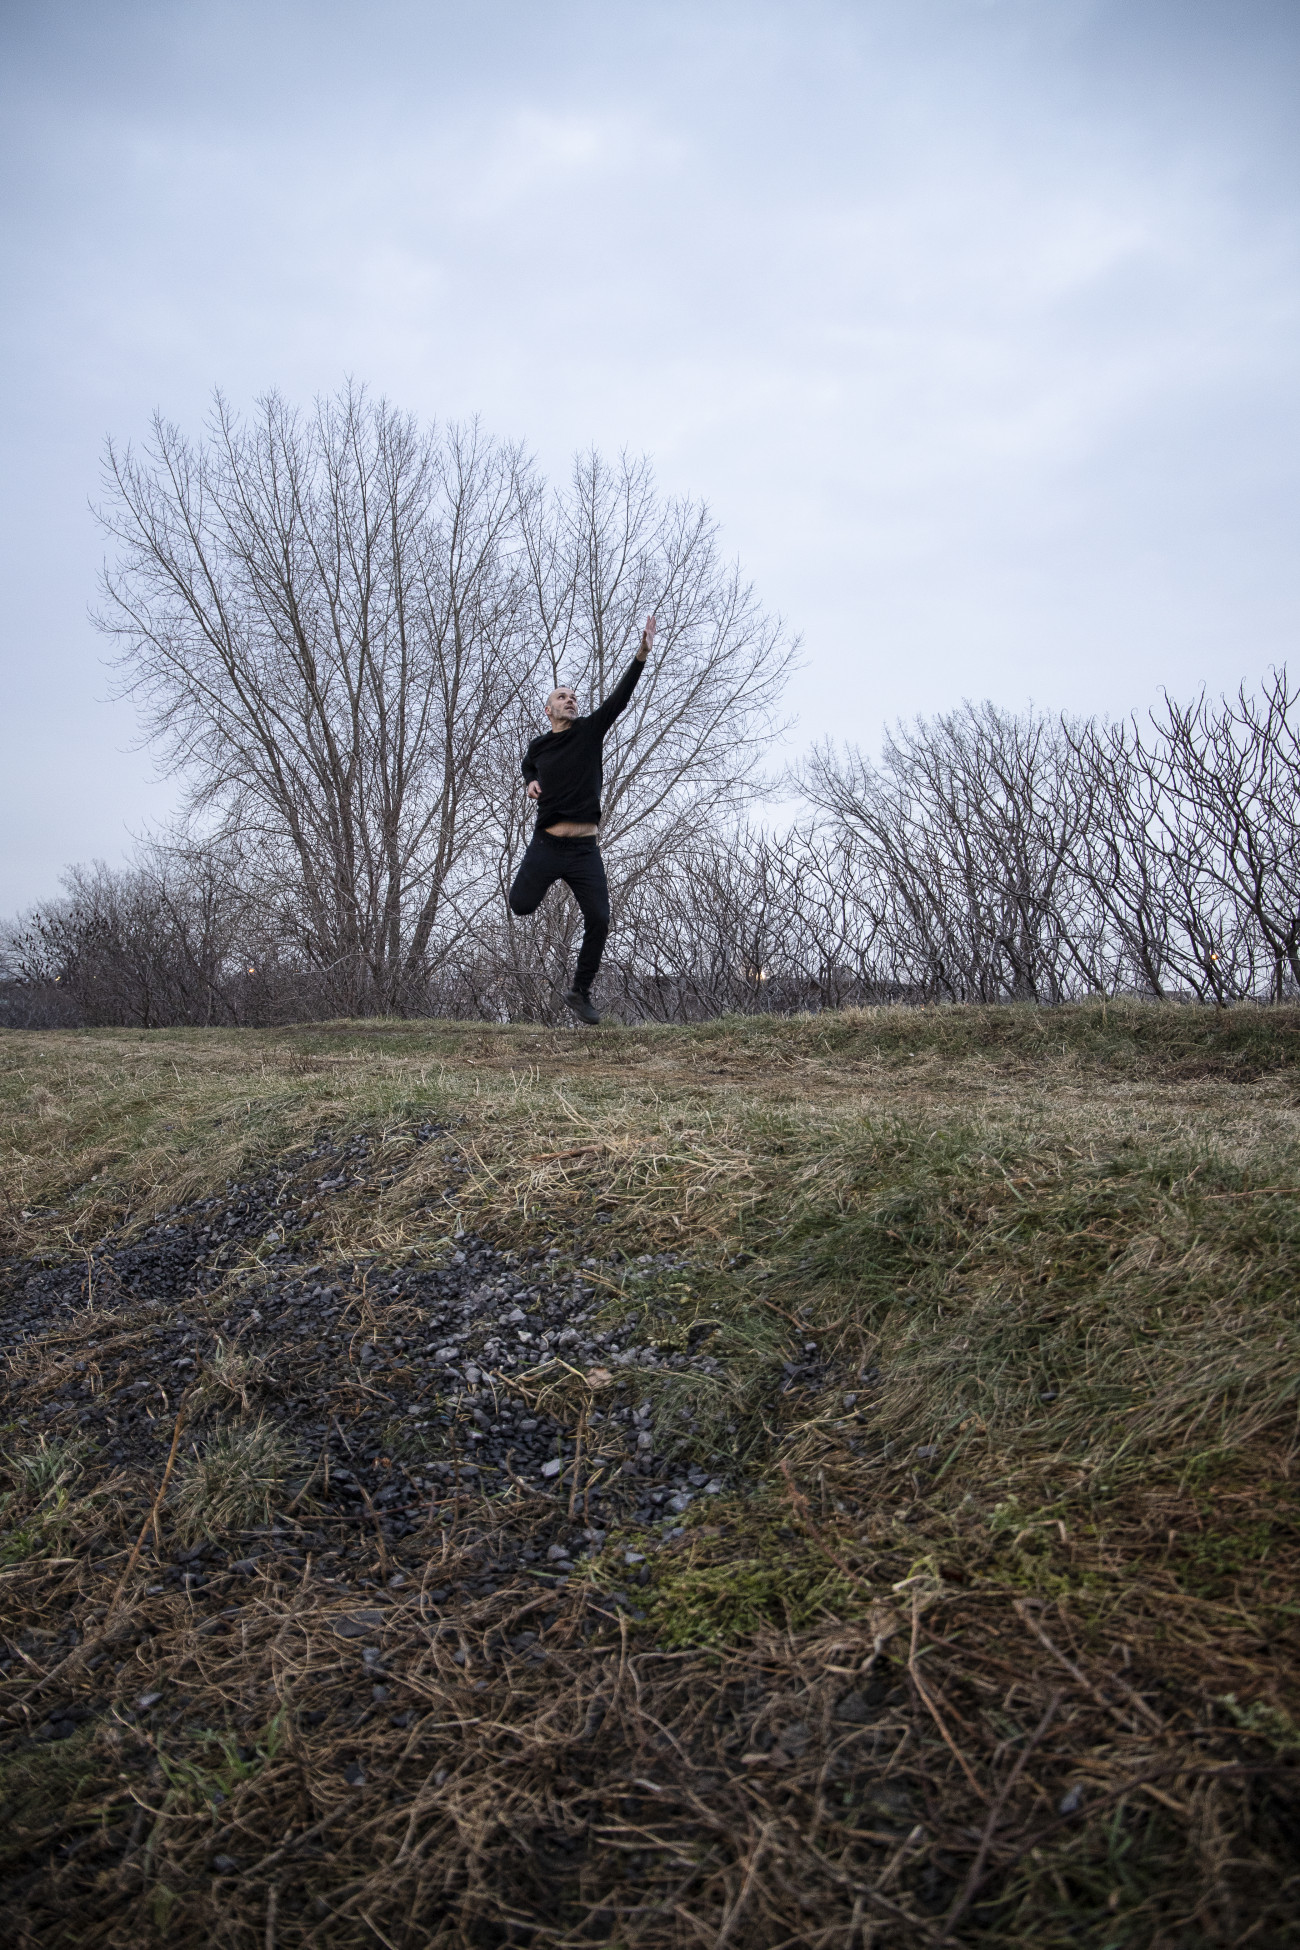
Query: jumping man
564, 776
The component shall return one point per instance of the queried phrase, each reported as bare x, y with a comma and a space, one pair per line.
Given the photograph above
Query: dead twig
151, 1520
1153, 1719
962, 1903
930, 1707
269, 1862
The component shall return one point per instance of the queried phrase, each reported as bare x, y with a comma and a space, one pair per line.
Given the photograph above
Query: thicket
989, 856
339, 628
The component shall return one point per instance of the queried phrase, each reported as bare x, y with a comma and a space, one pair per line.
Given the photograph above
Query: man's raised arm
617, 701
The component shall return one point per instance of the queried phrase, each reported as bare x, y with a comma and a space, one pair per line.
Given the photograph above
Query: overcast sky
975, 321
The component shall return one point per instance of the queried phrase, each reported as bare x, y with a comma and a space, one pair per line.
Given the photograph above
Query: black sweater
567, 765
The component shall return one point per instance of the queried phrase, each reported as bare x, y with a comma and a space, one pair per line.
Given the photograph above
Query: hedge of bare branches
340, 628
988, 856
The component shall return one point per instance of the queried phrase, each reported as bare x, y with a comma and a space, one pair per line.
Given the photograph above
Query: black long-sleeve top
567, 764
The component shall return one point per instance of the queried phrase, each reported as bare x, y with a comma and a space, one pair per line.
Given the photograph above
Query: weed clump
235, 1482
733, 1599
40, 1505
52, 1467
232, 1374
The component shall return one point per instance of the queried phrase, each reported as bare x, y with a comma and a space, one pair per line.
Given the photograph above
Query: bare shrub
962, 841
174, 938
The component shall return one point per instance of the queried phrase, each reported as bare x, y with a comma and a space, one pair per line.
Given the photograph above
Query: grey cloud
974, 319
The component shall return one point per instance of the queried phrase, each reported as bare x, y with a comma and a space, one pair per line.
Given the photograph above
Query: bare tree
683, 759
339, 627
962, 838
1195, 853
1170, 928
987, 857
320, 617
1231, 779
602, 553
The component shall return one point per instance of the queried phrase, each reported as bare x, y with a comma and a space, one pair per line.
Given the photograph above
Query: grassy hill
859, 1505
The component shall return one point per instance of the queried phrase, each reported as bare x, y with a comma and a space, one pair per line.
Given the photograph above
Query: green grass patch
725, 1583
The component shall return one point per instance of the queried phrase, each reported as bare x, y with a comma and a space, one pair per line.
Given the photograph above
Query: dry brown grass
948, 1766
96, 1125
1050, 1547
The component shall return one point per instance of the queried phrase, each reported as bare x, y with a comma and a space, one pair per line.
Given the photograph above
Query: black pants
579, 865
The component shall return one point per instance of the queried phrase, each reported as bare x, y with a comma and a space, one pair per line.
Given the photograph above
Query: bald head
562, 707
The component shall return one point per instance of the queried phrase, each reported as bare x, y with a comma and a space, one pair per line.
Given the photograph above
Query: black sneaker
579, 1000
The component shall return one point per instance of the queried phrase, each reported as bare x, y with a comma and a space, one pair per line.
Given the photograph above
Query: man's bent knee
522, 902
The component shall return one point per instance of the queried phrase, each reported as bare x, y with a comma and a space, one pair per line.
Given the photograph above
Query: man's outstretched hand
648, 637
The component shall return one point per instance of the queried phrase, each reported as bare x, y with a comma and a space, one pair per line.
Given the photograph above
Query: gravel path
399, 1391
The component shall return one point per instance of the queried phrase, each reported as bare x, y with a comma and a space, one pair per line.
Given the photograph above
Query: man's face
562, 707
